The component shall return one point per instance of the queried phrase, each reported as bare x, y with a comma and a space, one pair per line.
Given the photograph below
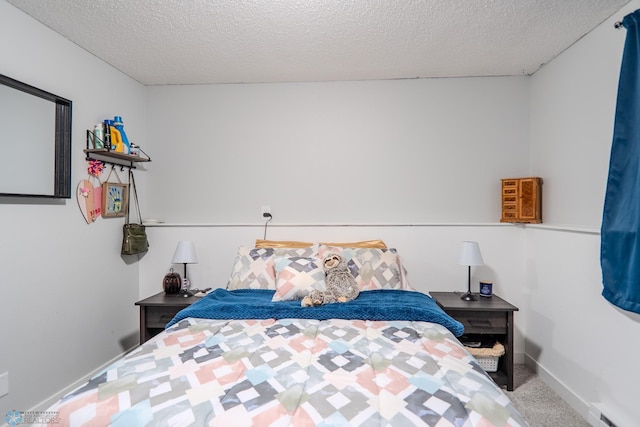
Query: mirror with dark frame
35, 142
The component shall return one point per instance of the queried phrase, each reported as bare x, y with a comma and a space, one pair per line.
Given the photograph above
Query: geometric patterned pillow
253, 268
296, 277
372, 268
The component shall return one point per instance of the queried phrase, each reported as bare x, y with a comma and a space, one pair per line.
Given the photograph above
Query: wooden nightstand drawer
481, 322
158, 310
158, 317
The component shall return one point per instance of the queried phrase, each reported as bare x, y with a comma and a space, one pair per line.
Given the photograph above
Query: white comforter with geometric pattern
293, 372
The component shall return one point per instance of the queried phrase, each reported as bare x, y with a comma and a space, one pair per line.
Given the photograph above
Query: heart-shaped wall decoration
86, 201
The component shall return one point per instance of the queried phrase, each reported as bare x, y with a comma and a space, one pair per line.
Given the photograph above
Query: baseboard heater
597, 417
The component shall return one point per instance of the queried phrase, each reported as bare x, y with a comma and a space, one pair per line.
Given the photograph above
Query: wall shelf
113, 157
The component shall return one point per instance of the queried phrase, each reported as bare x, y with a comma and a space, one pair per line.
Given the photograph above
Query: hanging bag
134, 239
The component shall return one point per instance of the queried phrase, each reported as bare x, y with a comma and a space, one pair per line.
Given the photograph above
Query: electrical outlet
265, 210
4, 384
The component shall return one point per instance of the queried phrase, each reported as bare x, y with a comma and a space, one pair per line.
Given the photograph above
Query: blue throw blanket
370, 305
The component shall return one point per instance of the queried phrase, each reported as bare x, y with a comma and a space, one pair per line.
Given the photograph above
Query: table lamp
470, 255
185, 254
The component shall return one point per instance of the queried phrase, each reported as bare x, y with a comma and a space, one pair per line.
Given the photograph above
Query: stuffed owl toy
341, 286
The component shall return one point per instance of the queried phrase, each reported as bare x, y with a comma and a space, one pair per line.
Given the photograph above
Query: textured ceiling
230, 41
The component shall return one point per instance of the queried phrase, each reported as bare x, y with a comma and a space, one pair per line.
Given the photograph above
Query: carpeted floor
539, 404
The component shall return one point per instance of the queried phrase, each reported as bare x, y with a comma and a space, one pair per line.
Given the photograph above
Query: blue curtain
620, 234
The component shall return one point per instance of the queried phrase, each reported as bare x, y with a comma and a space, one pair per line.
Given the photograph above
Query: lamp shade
470, 254
185, 253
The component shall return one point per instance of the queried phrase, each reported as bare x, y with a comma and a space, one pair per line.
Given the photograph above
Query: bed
251, 355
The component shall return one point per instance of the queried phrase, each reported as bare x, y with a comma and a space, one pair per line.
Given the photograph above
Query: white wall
67, 296
398, 151
578, 339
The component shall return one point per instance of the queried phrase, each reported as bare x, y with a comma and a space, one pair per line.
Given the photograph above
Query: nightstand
487, 316
158, 310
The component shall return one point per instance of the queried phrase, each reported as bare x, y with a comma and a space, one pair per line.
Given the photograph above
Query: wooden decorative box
522, 200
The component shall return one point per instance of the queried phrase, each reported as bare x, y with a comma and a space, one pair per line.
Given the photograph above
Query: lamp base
469, 297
